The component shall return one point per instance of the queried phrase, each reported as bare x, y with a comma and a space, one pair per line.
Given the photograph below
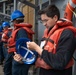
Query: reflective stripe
72, 4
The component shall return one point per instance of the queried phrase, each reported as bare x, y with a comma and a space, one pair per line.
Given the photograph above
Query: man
5, 36
57, 45
21, 30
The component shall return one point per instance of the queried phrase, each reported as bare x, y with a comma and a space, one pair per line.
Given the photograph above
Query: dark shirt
64, 52
21, 34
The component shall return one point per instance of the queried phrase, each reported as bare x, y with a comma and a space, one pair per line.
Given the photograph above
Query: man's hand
17, 57
34, 46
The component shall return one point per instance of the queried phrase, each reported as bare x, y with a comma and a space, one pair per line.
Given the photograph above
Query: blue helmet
4, 24
1, 28
29, 57
16, 14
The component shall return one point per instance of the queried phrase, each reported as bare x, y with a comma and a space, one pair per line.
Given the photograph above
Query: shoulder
67, 32
21, 30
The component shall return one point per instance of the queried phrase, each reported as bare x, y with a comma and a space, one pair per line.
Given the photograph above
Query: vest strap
48, 39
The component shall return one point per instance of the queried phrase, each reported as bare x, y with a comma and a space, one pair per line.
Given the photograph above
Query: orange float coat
12, 41
5, 36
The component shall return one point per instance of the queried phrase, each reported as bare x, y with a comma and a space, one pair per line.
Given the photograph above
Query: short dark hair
50, 11
19, 20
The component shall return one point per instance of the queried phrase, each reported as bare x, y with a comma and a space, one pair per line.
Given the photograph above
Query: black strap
11, 46
47, 39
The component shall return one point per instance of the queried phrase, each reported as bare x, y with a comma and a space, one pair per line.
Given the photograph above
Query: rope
74, 58
71, 10
40, 1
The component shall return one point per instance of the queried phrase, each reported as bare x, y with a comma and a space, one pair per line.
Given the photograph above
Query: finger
27, 44
15, 53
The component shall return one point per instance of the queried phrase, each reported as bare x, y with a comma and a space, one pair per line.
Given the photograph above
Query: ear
55, 18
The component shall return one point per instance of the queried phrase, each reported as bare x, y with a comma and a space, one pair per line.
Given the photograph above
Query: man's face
5, 28
14, 22
48, 22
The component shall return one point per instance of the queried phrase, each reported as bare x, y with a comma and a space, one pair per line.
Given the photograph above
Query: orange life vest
12, 41
51, 39
5, 36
